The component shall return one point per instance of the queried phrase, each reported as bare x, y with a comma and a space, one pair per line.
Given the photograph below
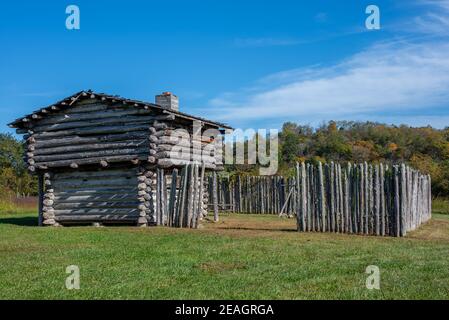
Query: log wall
362, 198
91, 133
102, 158
174, 150
97, 132
121, 195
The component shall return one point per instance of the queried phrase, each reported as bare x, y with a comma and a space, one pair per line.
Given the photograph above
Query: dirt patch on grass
435, 229
240, 225
22, 248
250, 225
254, 222
219, 266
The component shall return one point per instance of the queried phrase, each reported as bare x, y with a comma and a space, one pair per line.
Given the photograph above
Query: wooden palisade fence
364, 199
254, 194
180, 197
361, 198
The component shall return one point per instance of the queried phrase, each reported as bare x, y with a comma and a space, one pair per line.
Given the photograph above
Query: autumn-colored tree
13, 174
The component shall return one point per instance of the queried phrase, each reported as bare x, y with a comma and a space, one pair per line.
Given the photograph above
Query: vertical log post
215, 196
40, 184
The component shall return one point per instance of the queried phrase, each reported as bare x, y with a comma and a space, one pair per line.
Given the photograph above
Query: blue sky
252, 64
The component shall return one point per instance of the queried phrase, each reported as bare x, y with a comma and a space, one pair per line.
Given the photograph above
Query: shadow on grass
20, 221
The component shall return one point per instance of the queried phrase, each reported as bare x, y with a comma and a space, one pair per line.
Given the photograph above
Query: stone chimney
168, 100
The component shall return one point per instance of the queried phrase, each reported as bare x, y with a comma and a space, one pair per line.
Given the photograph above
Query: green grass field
241, 257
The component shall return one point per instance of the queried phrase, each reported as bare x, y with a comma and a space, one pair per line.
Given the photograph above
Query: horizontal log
143, 207
98, 199
186, 141
142, 149
142, 220
93, 146
158, 124
194, 157
97, 191
48, 202
93, 131
98, 217
50, 196
94, 160
163, 132
48, 215
117, 182
122, 172
144, 198
24, 131
47, 209
151, 159
169, 148
142, 186
103, 113
92, 211
168, 163
187, 153
49, 222
97, 205
68, 141
92, 106
99, 122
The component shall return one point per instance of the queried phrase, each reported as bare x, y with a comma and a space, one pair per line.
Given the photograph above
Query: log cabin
101, 159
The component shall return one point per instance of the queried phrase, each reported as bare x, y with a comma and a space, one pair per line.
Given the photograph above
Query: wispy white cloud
384, 78
393, 80
434, 21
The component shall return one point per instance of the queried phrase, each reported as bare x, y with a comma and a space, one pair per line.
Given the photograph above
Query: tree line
425, 148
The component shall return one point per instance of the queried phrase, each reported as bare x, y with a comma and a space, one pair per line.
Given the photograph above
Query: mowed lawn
241, 257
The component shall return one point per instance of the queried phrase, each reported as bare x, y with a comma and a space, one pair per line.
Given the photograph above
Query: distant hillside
426, 149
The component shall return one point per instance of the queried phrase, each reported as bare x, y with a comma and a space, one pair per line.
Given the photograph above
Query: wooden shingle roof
89, 94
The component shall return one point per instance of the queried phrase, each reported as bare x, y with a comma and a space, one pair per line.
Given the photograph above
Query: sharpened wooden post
404, 210
201, 192
183, 198
303, 187
215, 196
383, 223
172, 200
322, 200
40, 184
397, 203
377, 201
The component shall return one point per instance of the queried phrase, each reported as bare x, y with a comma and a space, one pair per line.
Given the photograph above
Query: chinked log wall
362, 198
93, 133
139, 195
122, 195
97, 132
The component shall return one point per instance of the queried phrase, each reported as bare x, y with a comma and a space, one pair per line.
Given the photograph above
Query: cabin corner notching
101, 158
